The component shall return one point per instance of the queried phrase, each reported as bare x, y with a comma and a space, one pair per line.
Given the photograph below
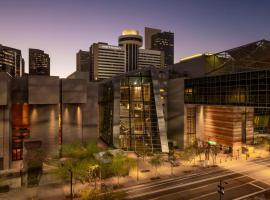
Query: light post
71, 178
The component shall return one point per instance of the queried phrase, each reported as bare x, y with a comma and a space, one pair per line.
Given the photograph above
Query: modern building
11, 61
131, 112
83, 61
148, 32
108, 60
131, 41
161, 41
148, 58
220, 98
51, 110
39, 62
230, 105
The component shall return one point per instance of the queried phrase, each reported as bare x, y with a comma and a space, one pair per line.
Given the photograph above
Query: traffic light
220, 190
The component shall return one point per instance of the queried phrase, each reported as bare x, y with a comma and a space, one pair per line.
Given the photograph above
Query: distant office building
148, 58
39, 62
161, 41
11, 61
83, 61
107, 61
148, 32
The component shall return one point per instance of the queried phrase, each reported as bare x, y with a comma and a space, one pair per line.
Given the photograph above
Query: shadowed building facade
39, 62
230, 105
155, 39
45, 108
11, 61
222, 98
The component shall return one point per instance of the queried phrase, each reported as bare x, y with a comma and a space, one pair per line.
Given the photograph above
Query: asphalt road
202, 186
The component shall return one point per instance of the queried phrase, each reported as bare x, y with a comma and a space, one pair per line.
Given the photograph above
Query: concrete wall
72, 123
90, 113
19, 89
44, 126
74, 91
175, 111
5, 120
4, 88
43, 90
5, 136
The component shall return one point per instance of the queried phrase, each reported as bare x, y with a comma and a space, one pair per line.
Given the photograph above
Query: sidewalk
58, 191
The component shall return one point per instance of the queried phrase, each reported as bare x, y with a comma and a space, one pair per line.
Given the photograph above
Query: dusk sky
61, 27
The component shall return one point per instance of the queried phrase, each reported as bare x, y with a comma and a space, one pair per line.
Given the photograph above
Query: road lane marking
178, 186
249, 195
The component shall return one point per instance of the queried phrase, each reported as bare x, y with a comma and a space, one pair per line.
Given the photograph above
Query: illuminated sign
110, 47
212, 142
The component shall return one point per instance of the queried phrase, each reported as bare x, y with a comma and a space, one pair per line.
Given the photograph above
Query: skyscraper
11, 61
83, 61
148, 32
39, 62
161, 41
131, 41
107, 61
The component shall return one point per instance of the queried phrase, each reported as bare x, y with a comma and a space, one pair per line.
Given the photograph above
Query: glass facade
106, 113
138, 124
241, 89
138, 118
247, 89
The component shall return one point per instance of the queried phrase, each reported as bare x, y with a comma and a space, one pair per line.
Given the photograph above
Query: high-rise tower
131, 41
39, 62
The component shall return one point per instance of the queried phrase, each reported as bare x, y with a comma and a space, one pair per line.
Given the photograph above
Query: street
243, 179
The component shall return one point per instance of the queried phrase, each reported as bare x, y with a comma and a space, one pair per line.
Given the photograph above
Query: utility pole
221, 189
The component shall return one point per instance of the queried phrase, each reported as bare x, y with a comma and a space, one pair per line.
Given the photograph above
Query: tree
121, 164
156, 161
214, 150
266, 142
199, 148
172, 159
79, 159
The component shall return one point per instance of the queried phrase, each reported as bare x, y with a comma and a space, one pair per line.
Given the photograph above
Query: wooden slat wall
224, 124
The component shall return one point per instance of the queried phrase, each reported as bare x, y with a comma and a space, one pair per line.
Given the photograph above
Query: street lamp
71, 178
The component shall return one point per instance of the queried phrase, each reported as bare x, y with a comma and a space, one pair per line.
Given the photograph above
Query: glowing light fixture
130, 32
212, 142
195, 56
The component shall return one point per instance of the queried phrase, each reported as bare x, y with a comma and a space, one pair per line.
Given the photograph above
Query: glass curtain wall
138, 118
106, 113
